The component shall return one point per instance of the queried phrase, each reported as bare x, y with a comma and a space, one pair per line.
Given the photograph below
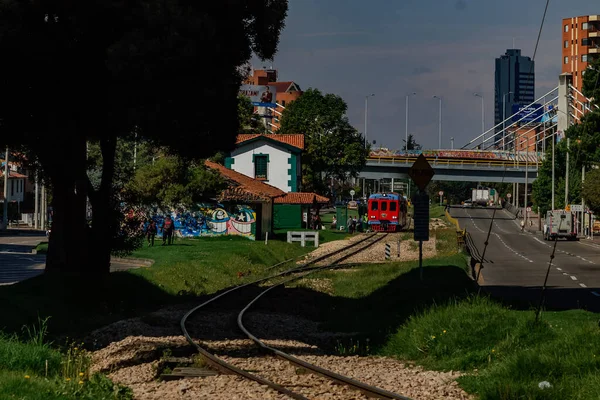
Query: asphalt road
17, 262
515, 263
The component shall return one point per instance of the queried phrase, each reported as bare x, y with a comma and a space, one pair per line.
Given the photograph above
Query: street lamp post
407, 96
482, 119
504, 120
5, 205
452, 143
440, 121
366, 114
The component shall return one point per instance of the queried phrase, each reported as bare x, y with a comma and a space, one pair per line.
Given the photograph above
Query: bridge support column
564, 117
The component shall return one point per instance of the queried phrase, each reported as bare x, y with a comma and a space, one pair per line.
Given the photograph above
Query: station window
374, 206
566, 28
566, 60
260, 166
585, 26
584, 58
392, 206
566, 44
384, 206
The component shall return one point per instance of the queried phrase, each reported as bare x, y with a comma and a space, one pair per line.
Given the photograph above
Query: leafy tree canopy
171, 182
412, 144
249, 121
591, 81
591, 190
334, 148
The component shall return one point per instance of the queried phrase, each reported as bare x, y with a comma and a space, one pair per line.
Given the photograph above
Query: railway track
331, 261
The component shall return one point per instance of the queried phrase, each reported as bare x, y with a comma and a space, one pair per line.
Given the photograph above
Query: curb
146, 262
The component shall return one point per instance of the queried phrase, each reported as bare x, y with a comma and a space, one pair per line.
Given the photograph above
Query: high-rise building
514, 84
580, 46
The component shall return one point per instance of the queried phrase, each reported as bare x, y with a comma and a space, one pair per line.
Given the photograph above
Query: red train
387, 212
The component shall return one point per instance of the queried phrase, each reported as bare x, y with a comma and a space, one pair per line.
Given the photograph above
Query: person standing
167, 231
151, 232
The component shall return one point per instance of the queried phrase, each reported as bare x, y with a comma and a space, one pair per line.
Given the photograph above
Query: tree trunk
69, 241
103, 219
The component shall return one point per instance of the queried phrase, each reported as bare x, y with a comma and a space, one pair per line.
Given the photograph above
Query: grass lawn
189, 268
441, 323
42, 248
32, 370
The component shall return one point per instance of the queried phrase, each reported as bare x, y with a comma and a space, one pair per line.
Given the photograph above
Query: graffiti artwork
212, 220
458, 154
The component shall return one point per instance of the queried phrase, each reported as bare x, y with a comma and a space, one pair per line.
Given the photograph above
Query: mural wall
461, 154
210, 220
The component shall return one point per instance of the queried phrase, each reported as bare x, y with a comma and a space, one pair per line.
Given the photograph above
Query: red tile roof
13, 174
243, 187
301, 198
282, 87
292, 139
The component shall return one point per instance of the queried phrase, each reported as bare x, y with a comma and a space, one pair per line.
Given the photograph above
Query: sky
390, 48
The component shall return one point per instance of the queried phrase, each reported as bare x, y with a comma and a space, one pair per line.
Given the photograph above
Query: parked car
467, 203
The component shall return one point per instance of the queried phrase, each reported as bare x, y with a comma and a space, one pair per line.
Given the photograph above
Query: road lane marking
573, 277
595, 246
560, 269
582, 285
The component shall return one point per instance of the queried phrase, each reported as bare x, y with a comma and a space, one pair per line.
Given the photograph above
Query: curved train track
289, 275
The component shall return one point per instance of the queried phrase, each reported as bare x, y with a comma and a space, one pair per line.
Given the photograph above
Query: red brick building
580, 46
286, 92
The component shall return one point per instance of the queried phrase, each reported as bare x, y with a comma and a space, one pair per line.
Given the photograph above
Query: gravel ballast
134, 361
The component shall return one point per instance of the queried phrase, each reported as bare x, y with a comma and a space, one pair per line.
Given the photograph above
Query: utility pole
440, 121
526, 179
36, 212
135, 151
582, 201
482, 119
553, 140
567, 175
504, 120
6, 175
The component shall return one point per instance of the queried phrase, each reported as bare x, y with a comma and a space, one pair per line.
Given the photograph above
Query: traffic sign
509, 195
421, 172
352, 192
441, 192
576, 207
421, 217
568, 208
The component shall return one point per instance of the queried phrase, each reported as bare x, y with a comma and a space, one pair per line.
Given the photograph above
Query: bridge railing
532, 163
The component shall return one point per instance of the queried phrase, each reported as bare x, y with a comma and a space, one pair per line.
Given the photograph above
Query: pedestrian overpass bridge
457, 165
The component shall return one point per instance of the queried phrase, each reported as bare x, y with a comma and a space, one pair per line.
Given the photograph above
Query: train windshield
392, 206
384, 206
374, 206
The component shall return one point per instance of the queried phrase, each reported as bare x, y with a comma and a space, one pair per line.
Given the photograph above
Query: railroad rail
298, 272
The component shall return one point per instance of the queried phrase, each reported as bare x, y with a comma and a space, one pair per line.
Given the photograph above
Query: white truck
559, 224
480, 197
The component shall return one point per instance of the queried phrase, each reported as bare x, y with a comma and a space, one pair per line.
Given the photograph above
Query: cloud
460, 5
326, 34
421, 70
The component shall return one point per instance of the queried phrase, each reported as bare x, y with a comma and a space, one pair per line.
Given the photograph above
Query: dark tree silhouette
96, 70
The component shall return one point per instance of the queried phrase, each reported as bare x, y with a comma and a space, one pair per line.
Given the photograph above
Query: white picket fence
303, 236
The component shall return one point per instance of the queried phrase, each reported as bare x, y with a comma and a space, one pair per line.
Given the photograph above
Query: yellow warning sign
568, 207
